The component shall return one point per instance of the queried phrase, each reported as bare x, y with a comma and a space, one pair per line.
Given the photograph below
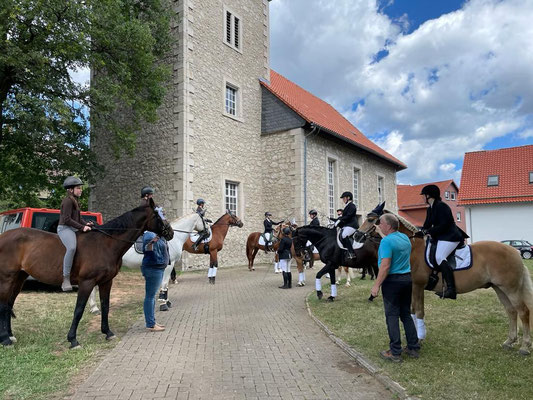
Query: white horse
182, 226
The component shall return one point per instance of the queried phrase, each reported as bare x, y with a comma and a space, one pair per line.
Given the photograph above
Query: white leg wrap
421, 328
413, 317
318, 284
276, 267
214, 272
210, 272
301, 277
334, 290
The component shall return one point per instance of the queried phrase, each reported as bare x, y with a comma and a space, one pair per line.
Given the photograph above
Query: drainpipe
313, 130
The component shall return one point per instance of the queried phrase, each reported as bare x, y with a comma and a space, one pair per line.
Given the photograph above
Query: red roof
409, 197
512, 166
318, 112
416, 221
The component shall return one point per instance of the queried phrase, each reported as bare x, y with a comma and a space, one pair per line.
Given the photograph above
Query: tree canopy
44, 118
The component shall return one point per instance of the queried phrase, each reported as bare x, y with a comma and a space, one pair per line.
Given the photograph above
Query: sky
426, 80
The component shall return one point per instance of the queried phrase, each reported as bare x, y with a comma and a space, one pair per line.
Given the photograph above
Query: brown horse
26, 251
219, 231
494, 265
253, 246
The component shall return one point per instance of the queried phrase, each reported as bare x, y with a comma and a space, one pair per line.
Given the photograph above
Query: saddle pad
463, 257
261, 240
138, 246
194, 236
315, 251
355, 245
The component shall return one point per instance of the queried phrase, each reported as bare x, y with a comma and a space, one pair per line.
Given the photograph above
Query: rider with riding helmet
269, 230
200, 210
313, 214
147, 193
348, 222
284, 256
445, 236
70, 222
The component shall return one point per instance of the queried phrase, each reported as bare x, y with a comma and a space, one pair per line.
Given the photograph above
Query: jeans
396, 291
153, 277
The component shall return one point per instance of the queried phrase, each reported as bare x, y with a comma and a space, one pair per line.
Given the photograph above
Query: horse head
369, 224
299, 242
234, 220
157, 222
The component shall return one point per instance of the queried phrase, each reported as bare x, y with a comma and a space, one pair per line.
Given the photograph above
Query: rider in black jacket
284, 256
348, 222
269, 230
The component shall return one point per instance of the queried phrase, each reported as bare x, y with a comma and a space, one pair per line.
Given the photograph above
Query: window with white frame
356, 185
231, 197
381, 188
331, 187
459, 217
452, 195
231, 99
232, 30
446, 195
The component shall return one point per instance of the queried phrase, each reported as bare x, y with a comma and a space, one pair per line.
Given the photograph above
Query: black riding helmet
431, 191
286, 230
200, 201
313, 212
72, 181
147, 190
267, 214
347, 194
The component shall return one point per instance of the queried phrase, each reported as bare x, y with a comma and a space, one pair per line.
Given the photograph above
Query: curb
373, 370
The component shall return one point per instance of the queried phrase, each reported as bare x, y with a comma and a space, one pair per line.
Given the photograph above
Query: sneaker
387, 355
159, 325
156, 328
410, 352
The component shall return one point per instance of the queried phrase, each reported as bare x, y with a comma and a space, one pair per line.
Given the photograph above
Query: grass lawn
461, 358
40, 365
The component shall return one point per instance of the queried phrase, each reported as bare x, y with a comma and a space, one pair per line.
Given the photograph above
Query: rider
268, 234
313, 214
147, 193
70, 222
201, 209
445, 235
348, 222
284, 256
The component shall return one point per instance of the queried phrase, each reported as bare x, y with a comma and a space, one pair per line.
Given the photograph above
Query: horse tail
527, 292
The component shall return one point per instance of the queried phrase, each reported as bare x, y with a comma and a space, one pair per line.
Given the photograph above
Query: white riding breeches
444, 249
285, 265
347, 231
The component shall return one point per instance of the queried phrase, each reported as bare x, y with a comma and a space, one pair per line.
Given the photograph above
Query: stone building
226, 134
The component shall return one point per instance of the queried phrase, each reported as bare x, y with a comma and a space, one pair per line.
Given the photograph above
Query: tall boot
349, 249
447, 275
289, 280
197, 243
285, 281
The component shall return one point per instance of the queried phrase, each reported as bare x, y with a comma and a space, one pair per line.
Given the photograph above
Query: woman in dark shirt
70, 222
284, 255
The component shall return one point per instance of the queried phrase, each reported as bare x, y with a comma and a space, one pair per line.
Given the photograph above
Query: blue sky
426, 80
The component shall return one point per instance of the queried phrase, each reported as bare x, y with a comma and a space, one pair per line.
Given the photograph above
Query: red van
45, 219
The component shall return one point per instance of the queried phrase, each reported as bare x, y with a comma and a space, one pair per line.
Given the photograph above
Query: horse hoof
110, 337
163, 307
331, 298
507, 346
524, 352
75, 345
319, 294
13, 339
169, 304
7, 342
96, 311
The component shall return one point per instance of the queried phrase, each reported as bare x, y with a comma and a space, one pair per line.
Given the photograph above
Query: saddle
355, 245
459, 259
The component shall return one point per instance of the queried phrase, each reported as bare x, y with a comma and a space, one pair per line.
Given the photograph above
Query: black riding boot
197, 243
289, 280
349, 249
447, 275
285, 281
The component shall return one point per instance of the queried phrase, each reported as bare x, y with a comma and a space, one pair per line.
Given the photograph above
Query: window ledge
234, 117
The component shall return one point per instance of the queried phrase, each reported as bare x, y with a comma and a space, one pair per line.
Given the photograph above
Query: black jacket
314, 222
349, 217
284, 249
268, 225
440, 223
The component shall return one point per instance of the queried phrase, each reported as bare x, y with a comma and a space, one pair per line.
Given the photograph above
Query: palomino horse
182, 228
494, 265
26, 251
325, 240
219, 231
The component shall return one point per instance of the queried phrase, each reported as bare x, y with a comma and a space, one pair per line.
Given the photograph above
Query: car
523, 246
45, 219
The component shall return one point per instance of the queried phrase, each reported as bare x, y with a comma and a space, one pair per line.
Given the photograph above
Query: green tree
44, 122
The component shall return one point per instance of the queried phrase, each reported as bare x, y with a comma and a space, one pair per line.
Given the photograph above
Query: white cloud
455, 84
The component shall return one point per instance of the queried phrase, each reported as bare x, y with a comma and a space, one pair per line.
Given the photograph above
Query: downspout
313, 130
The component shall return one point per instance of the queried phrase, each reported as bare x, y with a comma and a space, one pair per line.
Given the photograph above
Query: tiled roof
318, 112
409, 197
512, 165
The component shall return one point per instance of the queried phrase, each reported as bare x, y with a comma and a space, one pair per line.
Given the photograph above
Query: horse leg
105, 293
84, 290
5, 315
93, 307
173, 275
17, 287
301, 271
512, 336
417, 310
332, 280
213, 264
251, 258
165, 303
318, 283
363, 273
348, 272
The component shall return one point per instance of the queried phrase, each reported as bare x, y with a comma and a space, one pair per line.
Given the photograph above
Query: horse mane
120, 223
176, 220
222, 216
404, 222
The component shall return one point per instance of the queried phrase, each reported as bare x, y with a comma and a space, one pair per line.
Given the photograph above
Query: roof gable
512, 166
409, 195
318, 112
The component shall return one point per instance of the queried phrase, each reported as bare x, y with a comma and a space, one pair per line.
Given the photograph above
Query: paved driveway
242, 338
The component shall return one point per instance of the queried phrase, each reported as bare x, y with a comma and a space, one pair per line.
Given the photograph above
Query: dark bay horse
219, 231
325, 240
494, 265
27, 251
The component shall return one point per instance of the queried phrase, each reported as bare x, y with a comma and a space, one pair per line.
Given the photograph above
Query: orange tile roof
318, 112
411, 218
409, 195
512, 165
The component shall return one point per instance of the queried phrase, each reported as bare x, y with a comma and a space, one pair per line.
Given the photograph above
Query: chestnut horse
494, 265
253, 246
219, 231
27, 251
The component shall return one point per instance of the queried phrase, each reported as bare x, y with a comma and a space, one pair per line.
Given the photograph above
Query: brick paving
242, 338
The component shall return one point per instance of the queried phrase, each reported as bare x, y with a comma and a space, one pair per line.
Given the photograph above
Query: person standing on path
394, 278
284, 255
